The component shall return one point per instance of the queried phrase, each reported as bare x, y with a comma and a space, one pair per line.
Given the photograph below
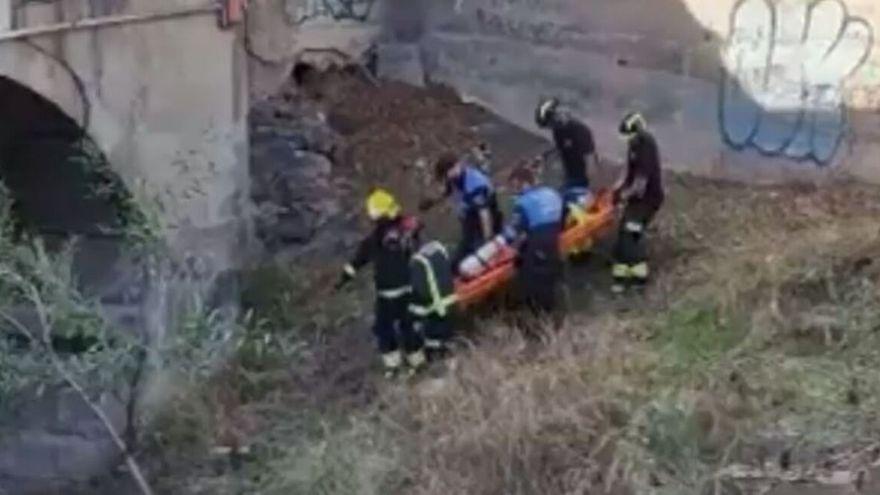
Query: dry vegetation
754, 353
752, 360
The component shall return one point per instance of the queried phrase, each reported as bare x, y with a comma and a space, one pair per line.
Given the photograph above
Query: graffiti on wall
338, 10
538, 21
788, 62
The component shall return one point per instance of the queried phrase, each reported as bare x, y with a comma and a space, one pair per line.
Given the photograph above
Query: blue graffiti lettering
782, 92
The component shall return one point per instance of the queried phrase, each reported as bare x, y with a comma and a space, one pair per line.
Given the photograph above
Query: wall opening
61, 185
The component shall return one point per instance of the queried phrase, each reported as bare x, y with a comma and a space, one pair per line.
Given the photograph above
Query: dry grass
758, 342
766, 329
509, 420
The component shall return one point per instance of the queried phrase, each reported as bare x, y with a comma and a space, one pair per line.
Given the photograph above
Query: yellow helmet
381, 204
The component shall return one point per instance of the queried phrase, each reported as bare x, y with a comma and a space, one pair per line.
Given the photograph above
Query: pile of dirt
388, 128
325, 139
366, 135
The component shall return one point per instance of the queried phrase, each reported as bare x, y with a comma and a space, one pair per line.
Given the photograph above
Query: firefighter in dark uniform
641, 189
389, 247
575, 145
475, 200
534, 231
433, 297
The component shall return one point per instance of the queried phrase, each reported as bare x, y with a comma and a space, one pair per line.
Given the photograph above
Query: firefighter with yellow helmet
389, 246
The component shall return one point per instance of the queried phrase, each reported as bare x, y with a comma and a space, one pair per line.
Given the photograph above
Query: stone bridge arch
33, 67
61, 184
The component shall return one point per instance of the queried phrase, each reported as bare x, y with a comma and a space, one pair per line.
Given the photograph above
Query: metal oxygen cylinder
477, 263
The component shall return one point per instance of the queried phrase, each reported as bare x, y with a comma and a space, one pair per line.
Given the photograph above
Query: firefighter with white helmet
574, 144
640, 189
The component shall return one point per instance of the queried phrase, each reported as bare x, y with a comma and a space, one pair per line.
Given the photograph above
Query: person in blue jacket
475, 200
534, 231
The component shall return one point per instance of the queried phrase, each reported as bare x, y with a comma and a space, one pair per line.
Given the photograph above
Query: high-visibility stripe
395, 293
349, 269
420, 310
634, 227
439, 305
433, 344
639, 270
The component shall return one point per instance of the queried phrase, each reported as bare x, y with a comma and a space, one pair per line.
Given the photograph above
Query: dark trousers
393, 326
539, 273
435, 328
540, 297
631, 250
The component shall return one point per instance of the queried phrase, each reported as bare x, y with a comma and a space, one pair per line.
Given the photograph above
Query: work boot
392, 362
416, 361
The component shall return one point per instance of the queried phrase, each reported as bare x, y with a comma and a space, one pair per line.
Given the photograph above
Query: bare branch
71, 381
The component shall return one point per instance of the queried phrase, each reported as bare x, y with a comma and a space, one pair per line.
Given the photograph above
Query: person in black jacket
389, 247
640, 188
575, 146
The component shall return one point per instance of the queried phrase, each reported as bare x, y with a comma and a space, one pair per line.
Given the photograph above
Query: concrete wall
751, 89
166, 102
319, 32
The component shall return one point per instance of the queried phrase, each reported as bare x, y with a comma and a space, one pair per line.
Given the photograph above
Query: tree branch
58, 365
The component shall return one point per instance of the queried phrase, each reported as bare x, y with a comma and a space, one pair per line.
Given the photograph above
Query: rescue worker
476, 202
575, 146
433, 297
534, 231
640, 188
389, 247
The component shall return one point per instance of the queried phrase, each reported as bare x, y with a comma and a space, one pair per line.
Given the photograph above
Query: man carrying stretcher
534, 231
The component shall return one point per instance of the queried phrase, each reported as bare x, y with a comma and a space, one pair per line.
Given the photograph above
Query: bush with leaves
41, 307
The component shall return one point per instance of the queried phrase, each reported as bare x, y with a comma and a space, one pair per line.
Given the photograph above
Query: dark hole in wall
60, 183
302, 73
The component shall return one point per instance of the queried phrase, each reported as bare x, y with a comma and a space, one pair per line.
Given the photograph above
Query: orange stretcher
583, 229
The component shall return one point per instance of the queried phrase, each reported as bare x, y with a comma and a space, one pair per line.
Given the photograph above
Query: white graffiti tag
787, 62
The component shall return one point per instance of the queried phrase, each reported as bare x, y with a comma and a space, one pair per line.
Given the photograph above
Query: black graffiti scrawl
338, 10
787, 62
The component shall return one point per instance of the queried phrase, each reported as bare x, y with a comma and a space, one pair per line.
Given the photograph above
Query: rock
292, 190
401, 62
299, 122
57, 441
